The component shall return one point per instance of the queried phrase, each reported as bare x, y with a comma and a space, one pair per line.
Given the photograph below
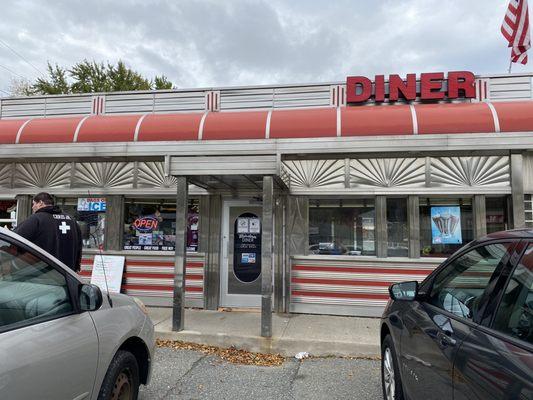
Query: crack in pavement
293, 378
182, 378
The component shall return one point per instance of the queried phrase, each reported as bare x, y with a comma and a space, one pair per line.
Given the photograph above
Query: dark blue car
466, 331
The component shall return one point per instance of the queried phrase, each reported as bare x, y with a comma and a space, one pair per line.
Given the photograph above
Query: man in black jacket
53, 231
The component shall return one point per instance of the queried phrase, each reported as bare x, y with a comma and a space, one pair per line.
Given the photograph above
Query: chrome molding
6, 174
104, 175
313, 174
470, 171
42, 175
387, 172
152, 174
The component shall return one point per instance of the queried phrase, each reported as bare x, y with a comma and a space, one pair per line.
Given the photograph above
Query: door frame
225, 299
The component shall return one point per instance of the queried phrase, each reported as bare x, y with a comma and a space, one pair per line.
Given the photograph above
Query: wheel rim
122, 388
388, 375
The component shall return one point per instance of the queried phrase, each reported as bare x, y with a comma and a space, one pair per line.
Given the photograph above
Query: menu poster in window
243, 225
446, 225
255, 225
110, 269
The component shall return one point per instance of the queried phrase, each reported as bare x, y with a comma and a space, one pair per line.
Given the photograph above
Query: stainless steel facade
473, 165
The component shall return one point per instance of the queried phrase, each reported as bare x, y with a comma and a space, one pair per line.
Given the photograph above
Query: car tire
391, 382
121, 381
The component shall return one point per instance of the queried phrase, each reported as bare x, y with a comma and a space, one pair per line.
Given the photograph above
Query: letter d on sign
355, 83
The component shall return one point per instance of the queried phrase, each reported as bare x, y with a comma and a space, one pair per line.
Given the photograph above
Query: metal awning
320, 122
233, 173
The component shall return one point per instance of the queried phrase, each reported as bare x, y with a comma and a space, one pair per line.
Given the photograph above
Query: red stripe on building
369, 270
362, 296
340, 282
160, 288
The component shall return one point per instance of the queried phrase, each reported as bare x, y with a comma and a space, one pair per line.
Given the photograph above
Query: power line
3, 91
22, 57
13, 72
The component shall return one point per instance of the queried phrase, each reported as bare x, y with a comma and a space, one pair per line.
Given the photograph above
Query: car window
459, 287
515, 312
30, 289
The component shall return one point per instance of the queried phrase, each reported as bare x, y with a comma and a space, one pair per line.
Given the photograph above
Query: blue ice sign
91, 204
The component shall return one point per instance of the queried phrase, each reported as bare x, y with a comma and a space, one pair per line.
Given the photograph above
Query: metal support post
413, 218
180, 261
114, 223
517, 188
480, 217
24, 203
381, 226
266, 258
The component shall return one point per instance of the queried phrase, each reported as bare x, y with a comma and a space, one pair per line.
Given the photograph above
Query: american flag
515, 29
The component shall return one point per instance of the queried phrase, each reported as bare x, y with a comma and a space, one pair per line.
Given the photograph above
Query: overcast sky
206, 43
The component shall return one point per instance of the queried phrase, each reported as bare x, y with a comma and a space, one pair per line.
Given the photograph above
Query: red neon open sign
145, 224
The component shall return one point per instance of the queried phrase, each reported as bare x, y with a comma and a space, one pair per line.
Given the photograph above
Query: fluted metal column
180, 261
266, 258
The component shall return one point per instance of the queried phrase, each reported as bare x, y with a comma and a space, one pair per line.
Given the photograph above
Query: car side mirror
406, 291
90, 297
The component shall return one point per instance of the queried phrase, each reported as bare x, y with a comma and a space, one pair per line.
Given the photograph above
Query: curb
287, 347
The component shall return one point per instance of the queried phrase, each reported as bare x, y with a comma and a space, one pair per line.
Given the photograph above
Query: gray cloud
246, 42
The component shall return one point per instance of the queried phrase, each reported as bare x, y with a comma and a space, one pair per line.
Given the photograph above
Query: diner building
332, 191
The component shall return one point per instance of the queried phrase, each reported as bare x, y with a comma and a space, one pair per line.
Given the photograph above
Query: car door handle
445, 339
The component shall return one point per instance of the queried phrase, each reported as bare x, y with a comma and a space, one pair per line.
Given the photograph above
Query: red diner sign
433, 86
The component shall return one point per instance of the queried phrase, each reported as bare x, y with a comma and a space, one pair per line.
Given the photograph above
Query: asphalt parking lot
187, 374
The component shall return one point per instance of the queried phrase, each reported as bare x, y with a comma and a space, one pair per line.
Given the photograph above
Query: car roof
521, 233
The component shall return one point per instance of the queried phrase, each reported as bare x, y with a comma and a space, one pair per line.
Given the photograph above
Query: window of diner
342, 227
90, 214
528, 208
496, 214
150, 224
8, 214
445, 225
397, 227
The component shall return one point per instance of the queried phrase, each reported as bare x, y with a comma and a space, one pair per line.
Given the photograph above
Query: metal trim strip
201, 127
138, 127
267, 127
339, 121
494, 117
19, 133
77, 131
414, 119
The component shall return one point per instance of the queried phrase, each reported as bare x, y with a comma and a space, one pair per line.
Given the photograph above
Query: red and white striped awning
419, 119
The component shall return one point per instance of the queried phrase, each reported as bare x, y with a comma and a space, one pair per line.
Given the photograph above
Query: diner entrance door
240, 271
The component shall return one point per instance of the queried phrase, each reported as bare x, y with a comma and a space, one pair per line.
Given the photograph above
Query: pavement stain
232, 355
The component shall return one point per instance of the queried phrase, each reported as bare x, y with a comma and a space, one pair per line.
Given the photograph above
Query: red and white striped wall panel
356, 287
151, 279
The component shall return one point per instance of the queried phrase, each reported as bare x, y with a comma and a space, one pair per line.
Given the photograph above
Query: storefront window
397, 228
342, 227
445, 226
8, 213
151, 225
528, 208
89, 212
496, 211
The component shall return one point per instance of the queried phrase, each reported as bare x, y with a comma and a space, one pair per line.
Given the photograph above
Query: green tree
92, 77
55, 84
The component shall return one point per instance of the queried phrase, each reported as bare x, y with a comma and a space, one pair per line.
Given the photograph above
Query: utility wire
22, 57
3, 91
13, 72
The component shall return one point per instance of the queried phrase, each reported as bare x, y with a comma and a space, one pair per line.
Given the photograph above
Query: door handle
445, 339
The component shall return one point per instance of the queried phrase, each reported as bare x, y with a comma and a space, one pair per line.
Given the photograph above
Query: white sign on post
114, 267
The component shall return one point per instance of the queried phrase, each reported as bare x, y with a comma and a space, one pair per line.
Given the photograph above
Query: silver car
63, 339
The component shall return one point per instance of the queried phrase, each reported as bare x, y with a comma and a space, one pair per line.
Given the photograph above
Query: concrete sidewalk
319, 335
